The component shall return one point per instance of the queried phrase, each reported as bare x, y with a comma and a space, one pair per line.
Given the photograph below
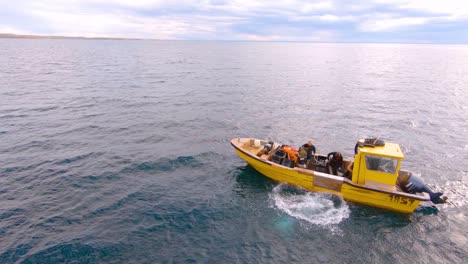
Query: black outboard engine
412, 184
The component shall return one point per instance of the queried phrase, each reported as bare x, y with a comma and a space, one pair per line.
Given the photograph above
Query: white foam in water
317, 208
457, 193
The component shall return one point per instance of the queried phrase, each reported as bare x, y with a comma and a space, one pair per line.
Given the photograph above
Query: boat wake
320, 209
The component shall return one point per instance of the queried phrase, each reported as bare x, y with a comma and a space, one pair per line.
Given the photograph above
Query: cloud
446, 7
391, 23
324, 18
405, 14
281, 20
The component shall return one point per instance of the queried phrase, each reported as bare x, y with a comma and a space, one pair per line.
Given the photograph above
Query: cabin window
377, 163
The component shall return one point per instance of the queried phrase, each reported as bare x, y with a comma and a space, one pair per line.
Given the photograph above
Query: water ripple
118, 151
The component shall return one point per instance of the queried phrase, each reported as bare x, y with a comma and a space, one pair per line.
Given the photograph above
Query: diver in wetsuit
412, 184
306, 152
335, 162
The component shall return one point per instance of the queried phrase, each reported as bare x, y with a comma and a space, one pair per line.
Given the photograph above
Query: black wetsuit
310, 150
335, 162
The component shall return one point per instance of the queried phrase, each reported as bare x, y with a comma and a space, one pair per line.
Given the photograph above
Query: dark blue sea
117, 151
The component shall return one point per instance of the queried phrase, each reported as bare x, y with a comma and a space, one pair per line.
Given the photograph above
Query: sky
397, 21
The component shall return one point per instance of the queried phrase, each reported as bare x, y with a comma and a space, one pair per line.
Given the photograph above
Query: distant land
9, 35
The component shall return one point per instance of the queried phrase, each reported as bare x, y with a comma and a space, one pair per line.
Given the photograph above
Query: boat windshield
382, 164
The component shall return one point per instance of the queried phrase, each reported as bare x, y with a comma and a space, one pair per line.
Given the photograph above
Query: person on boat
305, 152
266, 149
349, 170
412, 184
335, 162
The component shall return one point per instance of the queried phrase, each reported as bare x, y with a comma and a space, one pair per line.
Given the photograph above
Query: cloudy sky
403, 21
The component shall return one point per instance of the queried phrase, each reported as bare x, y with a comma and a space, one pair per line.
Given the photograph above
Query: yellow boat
374, 177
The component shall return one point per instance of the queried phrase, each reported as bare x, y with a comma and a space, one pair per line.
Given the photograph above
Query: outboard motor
412, 184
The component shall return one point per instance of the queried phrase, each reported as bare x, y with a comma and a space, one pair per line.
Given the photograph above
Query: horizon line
34, 36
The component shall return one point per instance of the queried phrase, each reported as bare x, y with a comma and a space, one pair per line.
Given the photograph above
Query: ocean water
116, 151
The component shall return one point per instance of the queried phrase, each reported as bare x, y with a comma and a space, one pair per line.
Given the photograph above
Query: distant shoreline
9, 35
21, 36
